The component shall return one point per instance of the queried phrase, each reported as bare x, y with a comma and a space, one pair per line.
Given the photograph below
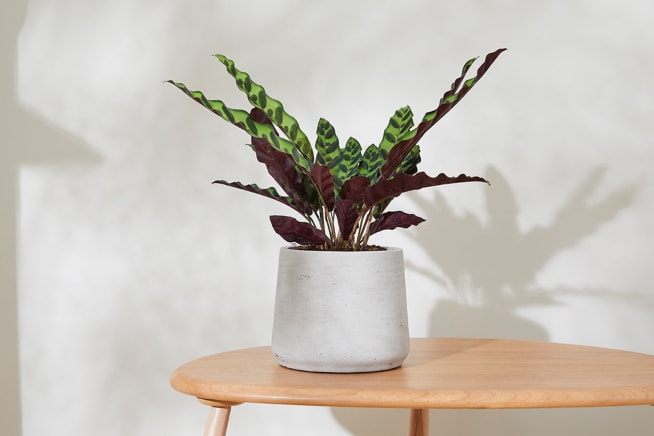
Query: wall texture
124, 260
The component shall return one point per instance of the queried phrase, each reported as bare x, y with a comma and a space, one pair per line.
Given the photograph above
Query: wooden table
438, 374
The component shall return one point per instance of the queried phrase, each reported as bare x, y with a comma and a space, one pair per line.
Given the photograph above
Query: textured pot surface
340, 311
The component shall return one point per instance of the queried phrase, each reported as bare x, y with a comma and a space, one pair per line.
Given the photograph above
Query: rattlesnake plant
342, 192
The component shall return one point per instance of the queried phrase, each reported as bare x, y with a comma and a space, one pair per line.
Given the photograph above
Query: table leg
217, 422
419, 422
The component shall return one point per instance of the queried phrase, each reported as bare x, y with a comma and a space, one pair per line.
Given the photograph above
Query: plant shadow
488, 269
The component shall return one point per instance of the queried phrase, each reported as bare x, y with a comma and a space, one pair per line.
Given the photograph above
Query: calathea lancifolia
341, 190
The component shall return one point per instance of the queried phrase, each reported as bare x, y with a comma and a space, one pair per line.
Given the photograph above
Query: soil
321, 248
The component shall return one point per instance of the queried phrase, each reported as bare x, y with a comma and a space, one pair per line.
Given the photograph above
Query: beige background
120, 260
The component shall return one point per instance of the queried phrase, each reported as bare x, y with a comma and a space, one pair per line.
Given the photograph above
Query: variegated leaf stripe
448, 101
348, 165
273, 108
328, 150
399, 124
455, 93
327, 144
410, 163
371, 163
450, 96
242, 119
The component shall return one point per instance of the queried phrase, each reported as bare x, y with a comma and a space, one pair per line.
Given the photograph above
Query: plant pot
339, 311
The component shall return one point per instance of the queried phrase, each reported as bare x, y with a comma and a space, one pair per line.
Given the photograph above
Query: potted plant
340, 304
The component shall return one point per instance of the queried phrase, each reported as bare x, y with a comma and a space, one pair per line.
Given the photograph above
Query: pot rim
299, 249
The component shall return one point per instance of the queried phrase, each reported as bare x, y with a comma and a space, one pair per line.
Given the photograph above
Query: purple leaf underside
280, 166
324, 180
346, 216
385, 189
301, 233
260, 191
354, 188
392, 220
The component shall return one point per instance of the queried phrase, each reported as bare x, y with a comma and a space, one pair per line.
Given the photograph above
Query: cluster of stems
355, 240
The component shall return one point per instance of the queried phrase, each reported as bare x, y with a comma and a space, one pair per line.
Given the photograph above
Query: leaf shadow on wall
488, 270
27, 139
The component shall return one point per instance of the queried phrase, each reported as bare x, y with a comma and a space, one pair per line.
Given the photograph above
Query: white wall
130, 262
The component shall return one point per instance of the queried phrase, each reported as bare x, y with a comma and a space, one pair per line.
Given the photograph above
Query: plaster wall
121, 260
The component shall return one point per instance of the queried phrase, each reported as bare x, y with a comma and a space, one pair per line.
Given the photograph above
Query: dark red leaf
324, 180
353, 188
346, 215
260, 117
268, 193
293, 230
385, 189
280, 166
392, 220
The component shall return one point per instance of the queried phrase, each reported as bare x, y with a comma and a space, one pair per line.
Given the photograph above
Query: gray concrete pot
340, 311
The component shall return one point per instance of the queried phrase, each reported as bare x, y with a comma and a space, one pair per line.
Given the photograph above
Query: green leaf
327, 144
457, 82
328, 152
410, 163
398, 125
242, 119
348, 165
450, 98
371, 163
273, 108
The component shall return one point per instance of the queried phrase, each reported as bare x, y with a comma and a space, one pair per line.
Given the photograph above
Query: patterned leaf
348, 164
371, 163
392, 220
343, 187
410, 163
448, 96
398, 125
242, 119
273, 108
448, 101
299, 232
401, 183
327, 145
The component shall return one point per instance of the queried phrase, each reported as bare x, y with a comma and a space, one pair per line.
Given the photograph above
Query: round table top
438, 373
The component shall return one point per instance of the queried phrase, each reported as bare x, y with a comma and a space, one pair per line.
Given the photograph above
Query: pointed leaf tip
296, 231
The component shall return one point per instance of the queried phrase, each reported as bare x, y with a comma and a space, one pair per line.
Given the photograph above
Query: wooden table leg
217, 422
419, 422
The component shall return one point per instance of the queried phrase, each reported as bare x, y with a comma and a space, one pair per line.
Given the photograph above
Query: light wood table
438, 374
